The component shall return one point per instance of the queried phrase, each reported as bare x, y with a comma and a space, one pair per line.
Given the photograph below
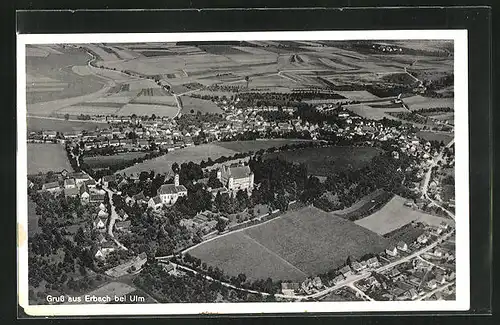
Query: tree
247, 79
175, 167
66, 116
221, 225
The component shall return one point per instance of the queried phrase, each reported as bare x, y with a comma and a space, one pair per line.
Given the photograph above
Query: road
429, 294
427, 179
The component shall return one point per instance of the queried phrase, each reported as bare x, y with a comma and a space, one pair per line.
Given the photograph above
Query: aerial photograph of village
240, 171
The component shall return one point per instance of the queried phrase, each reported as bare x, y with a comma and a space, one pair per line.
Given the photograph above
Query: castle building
236, 178
170, 193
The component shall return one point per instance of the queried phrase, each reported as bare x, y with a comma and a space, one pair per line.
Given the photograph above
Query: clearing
45, 157
296, 245
325, 160
395, 215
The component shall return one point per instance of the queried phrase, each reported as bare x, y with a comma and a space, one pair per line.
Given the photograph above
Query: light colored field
142, 84
90, 110
45, 157
368, 112
145, 109
49, 84
109, 160
118, 98
164, 163
392, 216
40, 124
334, 65
199, 105
124, 54
36, 51
97, 49
309, 241
357, 95
253, 50
82, 70
419, 102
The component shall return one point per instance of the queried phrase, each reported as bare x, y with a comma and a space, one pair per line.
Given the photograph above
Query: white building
236, 178
170, 193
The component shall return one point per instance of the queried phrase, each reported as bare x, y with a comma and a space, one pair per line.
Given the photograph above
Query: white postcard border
462, 301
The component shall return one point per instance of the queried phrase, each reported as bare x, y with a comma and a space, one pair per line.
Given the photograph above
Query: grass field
256, 145
431, 136
325, 160
35, 124
298, 244
164, 163
45, 157
395, 215
199, 105
103, 161
419, 102
111, 289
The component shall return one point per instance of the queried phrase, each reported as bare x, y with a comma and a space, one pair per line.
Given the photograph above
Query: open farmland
256, 145
420, 102
296, 245
365, 206
395, 215
325, 160
164, 163
45, 157
36, 124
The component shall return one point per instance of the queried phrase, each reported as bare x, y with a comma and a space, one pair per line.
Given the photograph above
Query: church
169, 193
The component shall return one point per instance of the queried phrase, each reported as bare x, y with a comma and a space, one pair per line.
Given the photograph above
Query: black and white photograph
207, 172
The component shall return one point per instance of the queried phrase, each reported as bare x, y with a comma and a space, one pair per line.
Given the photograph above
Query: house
90, 183
169, 268
155, 203
49, 134
129, 200
51, 187
440, 279
432, 284
346, 271
80, 177
69, 183
71, 192
100, 223
316, 282
122, 225
412, 294
402, 246
102, 207
102, 214
236, 178
356, 266
106, 248
289, 288
373, 262
422, 239
394, 272
392, 251
84, 194
170, 193
339, 278
100, 238
139, 198
108, 179
97, 197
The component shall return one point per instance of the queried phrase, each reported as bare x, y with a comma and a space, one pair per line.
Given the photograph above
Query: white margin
462, 302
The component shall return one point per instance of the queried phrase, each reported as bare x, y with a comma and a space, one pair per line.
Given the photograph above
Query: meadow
36, 124
435, 136
105, 161
163, 164
324, 161
195, 105
256, 145
45, 157
395, 215
365, 206
309, 241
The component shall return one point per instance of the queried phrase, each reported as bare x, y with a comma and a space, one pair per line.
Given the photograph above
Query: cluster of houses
77, 184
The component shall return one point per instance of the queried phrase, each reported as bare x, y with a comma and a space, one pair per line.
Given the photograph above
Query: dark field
430, 136
105, 161
323, 161
298, 244
256, 145
369, 204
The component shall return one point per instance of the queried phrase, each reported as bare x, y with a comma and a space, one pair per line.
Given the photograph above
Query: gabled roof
139, 196
109, 178
71, 191
80, 175
156, 200
238, 172
171, 189
51, 185
69, 181
83, 189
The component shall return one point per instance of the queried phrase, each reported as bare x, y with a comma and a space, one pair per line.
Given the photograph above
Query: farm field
369, 112
360, 95
164, 163
395, 215
309, 240
434, 136
56, 69
419, 102
35, 124
256, 145
148, 109
325, 160
45, 157
199, 105
111, 289
104, 161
